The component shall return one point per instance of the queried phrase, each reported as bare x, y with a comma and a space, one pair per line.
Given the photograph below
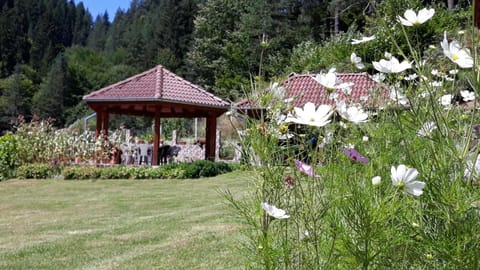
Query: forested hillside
52, 52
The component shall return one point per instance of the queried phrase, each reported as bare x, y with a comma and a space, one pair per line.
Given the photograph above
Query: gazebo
158, 93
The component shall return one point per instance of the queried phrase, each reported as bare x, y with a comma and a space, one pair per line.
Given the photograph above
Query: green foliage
227, 152
113, 173
17, 91
205, 168
184, 127
35, 171
311, 57
8, 156
249, 38
48, 102
196, 169
80, 172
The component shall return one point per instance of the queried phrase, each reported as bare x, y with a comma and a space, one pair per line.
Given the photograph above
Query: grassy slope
119, 224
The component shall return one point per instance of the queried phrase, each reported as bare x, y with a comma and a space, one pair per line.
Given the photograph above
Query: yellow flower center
312, 119
455, 57
283, 129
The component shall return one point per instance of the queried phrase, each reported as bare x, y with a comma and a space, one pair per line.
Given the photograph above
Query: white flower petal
273, 211
411, 18
362, 40
415, 188
411, 174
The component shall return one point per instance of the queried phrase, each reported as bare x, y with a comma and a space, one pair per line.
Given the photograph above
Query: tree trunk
450, 4
336, 25
476, 17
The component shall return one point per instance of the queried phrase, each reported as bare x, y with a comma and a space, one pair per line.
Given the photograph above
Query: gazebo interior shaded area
158, 93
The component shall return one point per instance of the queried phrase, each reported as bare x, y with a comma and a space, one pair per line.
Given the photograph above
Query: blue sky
99, 6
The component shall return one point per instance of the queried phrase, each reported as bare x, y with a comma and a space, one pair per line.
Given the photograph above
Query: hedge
196, 169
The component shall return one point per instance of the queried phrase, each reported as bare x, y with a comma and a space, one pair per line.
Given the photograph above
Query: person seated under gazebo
163, 153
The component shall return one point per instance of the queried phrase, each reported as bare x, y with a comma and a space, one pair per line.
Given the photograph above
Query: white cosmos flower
453, 71
446, 100
392, 65
288, 100
357, 61
273, 211
411, 18
376, 180
436, 83
404, 177
279, 118
333, 96
310, 116
454, 52
353, 113
328, 79
277, 90
378, 77
472, 170
346, 88
398, 96
427, 129
467, 95
411, 77
363, 40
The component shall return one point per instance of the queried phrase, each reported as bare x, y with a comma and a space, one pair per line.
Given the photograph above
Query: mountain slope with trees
52, 52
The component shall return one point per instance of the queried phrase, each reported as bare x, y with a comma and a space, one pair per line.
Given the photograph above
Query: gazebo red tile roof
157, 84
303, 88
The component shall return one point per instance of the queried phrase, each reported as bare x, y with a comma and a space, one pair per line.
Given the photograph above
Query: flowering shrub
39, 142
395, 187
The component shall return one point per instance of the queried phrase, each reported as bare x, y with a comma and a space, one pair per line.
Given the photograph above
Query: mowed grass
120, 224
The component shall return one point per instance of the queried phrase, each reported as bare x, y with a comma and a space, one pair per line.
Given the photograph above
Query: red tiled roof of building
157, 84
303, 89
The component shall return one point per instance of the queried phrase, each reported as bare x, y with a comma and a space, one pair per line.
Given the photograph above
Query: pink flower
355, 155
305, 168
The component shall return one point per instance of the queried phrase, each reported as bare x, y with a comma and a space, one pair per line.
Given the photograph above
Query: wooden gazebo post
98, 128
102, 123
156, 137
211, 134
105, 118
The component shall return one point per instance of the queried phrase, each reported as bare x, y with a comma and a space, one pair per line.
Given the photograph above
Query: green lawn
120, 224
